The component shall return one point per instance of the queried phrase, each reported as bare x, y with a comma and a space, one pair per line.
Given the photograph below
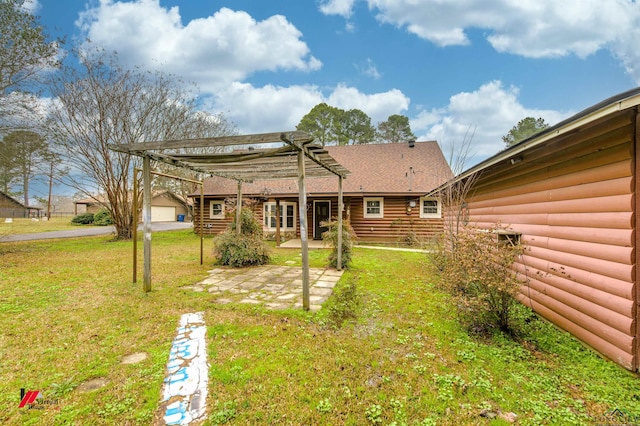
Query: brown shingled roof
375, 169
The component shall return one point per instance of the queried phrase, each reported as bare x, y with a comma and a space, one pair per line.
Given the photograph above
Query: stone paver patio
275, 287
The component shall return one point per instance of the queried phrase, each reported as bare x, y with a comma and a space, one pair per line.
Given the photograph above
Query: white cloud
378, 106
272, 108
541, 28
32, 6
212, 51
625, 48
489, 113
369, 69
337, 7
530, 28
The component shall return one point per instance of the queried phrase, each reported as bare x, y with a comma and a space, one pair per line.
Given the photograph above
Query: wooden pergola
244, 158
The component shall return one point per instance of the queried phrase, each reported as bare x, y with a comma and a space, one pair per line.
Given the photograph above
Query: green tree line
330, 125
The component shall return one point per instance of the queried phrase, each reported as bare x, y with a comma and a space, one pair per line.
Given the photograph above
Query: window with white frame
429, 208
216, 209
287, 216
373, 207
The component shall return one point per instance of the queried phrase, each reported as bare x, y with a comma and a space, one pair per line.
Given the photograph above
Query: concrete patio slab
275, 287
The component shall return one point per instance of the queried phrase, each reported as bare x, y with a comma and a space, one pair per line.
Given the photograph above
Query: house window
374, 207
287, 216
429, 208
216, 209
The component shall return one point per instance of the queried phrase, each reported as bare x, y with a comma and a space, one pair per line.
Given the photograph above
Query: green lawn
69, 314
28, 226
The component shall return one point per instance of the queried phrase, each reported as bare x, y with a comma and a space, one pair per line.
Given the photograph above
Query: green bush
249, 225
83, 219
102, 218
330, 236
246, 249
476, 269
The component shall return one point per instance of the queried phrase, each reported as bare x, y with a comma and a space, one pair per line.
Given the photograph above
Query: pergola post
302, 209
239, 209
277, 222
201, 222
146, 218
340, 205
134, 231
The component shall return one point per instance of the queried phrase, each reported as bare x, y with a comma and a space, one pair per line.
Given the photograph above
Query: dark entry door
321, 213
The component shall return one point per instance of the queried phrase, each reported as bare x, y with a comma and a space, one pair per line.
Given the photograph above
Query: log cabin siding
393, 228
217, 226
573, 199
395, 225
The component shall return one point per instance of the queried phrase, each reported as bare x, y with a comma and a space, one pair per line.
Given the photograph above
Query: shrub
83, 219
330, 236
476, 269
246, 249
102, 218
249, 225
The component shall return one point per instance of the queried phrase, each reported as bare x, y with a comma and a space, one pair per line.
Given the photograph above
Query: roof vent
412, 143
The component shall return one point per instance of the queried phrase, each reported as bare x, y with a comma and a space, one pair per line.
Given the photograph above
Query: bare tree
204, 126
453, 194
25, 55
100, 103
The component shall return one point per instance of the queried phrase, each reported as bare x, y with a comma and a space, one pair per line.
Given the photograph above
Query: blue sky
445, 65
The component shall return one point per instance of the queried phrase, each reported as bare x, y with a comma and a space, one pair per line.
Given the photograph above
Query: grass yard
70, 313
28, 226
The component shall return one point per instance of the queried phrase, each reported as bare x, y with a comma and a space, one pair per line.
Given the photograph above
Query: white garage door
163, 214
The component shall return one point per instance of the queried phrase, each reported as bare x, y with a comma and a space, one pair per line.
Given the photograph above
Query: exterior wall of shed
393, 228
18, 212
573, 200
10, 208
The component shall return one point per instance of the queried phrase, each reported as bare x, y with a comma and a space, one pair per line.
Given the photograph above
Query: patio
274, 287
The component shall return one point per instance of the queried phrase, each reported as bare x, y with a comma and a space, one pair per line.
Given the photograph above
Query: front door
321, 213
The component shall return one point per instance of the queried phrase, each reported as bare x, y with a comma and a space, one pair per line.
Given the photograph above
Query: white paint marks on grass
185, 387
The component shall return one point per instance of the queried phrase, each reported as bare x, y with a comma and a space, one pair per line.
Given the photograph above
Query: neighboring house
383, 195
571, 194
165, 206
61, 205
90, 205
10, 207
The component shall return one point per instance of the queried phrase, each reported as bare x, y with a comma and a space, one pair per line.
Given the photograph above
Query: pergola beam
302, 146
221, 141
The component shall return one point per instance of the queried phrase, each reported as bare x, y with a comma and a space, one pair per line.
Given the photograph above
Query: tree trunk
25, 188
124, 231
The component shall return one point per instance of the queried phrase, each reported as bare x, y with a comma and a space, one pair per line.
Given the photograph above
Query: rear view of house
570, 193
383, 196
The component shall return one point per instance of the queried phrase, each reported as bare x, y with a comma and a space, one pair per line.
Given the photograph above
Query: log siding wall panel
396, 223
573, 200
615, 170
392, 228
